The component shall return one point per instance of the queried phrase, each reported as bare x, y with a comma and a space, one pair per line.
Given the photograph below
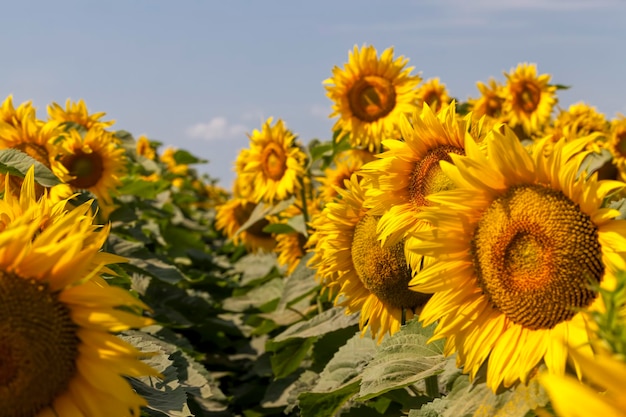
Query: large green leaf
326, 322
256, 297
347, 364
467, 399
17, 163
326, 404
401, 360
254, 266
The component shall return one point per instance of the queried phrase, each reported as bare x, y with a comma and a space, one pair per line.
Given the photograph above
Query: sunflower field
433, 257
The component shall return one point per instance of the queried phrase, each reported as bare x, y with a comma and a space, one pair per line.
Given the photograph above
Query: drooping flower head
77, 113
577, 121
351, 263
144, 148
433, 93
233, 214
92, 162
617, 144
529, 99
369, 94
275, 162
408, 172
58, 315
516, 245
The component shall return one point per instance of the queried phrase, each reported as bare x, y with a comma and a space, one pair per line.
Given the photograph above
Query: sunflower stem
403, 318
432, 386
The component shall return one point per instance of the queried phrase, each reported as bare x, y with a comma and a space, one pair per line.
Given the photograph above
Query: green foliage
17, 163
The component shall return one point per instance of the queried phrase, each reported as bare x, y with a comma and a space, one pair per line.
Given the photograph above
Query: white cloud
218, 128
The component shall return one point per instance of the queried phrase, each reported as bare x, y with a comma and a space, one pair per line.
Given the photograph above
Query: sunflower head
167, 157
433, 93
579, 120
77, 113
346, 164
491, 101
516, 245
145, 148
367, 277
369, 94
529, 98
275, 163
9, 114
232, 215
92, 162
59, 356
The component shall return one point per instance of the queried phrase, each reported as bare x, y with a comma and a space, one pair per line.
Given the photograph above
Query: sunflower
77, 113
275, 162
529, 98
515, 245
167, 157
145, 148
9, 114
369, 94
93, 162
57, 315
351, 262
409, 171
571, 398
433, 93
579, 120
232, 215
346, 163
616, 144
491, 101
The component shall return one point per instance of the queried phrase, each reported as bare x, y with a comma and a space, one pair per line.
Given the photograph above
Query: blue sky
198, 74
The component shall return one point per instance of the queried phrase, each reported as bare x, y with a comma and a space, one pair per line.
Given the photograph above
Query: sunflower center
433, 99
383, 271
38, 345
428, 178
494, 106
371, 98
86, 167
535, 255
35, 151
527, 97
274, 161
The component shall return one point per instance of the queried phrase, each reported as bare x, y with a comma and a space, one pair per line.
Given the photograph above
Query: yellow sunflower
515, 245
404, 175
92, 162
433, 93
57, 315
369, 94
9, 114
571, 398
77, 113
491, 101
232, 215
351, 263
529, 99
346, 164
144, 148
275, 163
579, 120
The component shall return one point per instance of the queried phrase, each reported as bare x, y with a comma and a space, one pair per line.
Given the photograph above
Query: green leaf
619, 205
467, 399
319, 150
262, 210
299, 284
254, 267
347, 364
297, 223
17, 163
401, 360
182, 377
184, 157
256, 297
326, 322
289, 358
326, 404
278, 228
141, 188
